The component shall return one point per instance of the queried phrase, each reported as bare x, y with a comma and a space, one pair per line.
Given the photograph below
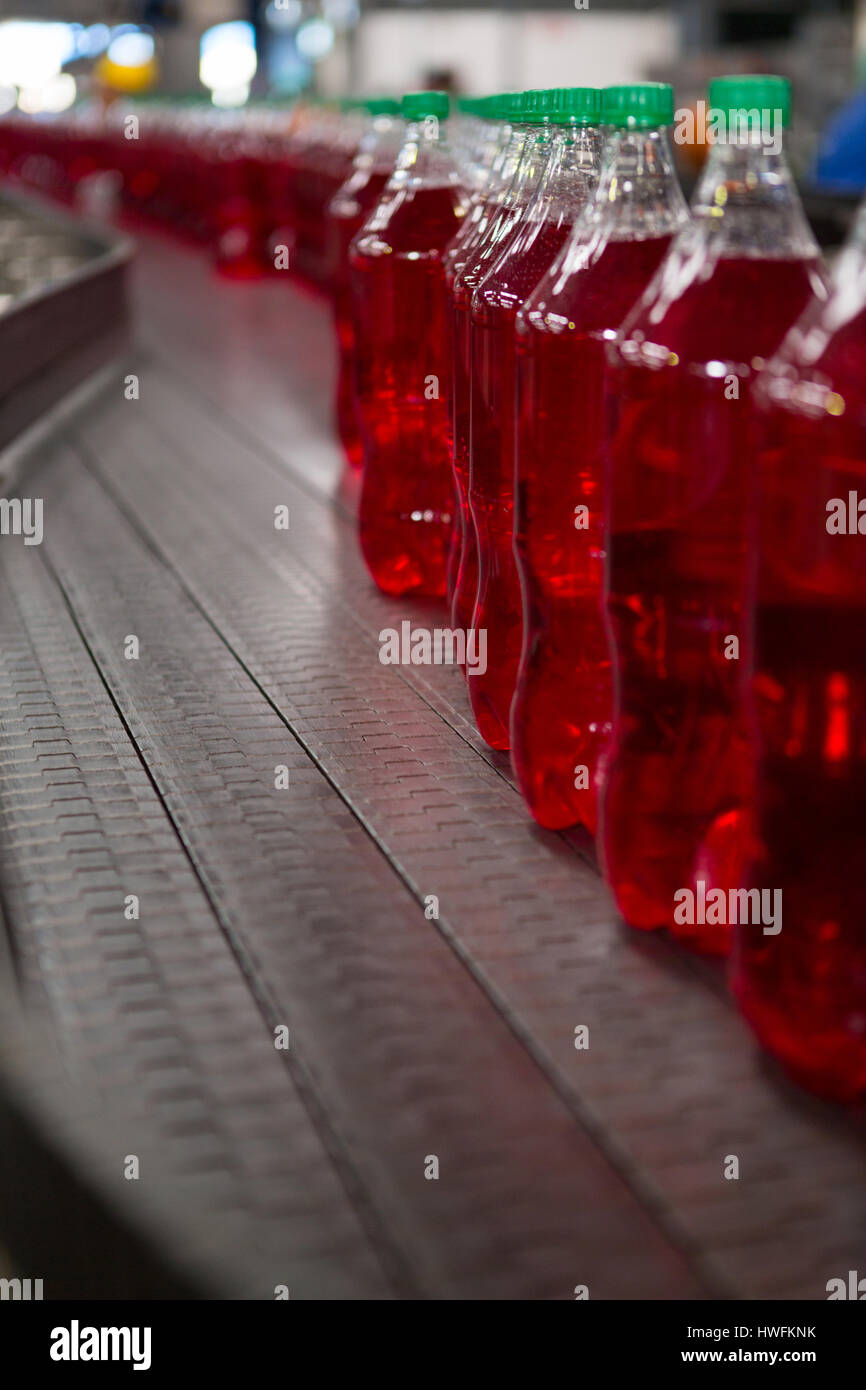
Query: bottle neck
570, 174
381, 144
746, 202
507, 160
638, 193
538, 141
479, 154
425, 155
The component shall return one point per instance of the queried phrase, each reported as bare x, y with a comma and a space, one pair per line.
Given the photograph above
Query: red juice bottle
278, 216
347, 212
560, 715
319, 160
482, 167
491, 180
332, 172
803, 988
488, 223
402, 369
536, 135
569, 173
677, 777
236, 247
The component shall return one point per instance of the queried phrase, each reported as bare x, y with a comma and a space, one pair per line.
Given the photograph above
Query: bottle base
829, 1062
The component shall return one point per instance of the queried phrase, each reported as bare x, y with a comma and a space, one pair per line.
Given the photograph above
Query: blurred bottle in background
402, 369
346, 214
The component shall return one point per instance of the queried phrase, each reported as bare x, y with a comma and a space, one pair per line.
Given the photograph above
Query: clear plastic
346, 214
803, 989
402, 370
568, 171
525, 160
560, 715
680, 468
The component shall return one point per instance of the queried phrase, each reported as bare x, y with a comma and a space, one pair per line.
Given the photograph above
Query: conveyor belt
305, 906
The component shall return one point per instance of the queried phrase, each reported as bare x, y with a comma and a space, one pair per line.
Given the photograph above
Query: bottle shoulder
821, 365
723, 308
412, 219
522, 261
593, 283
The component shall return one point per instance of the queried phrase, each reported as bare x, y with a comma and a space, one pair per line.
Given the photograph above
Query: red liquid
493, 233
804, 990
560, 716
407, 495
236, 229
279, 222
347, 212
499, 602
462, 246
678, 774
465, 580
317, 169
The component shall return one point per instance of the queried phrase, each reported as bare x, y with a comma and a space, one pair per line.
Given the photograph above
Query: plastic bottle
483, 150
490, 217
560, 715
475, 148
236, 238
347, 212
402, 369
561, 167
678, 774
803, 988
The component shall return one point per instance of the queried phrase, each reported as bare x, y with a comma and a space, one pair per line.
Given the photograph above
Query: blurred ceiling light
131, 49
227, 57
129, 63
57, 94
283, 14
8, 99
96, 39
315, 39
60, 92
31, 52
231, 96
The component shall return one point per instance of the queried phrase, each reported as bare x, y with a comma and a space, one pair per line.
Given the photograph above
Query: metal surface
63, 309
410, 1036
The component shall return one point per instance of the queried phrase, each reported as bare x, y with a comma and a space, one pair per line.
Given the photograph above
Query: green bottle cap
382, 106
504, 106
417, 106
752, 93
577, 106
638, 105
513, 106
539, 105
